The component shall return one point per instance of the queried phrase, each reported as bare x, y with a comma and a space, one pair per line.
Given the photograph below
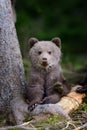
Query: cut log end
72, 101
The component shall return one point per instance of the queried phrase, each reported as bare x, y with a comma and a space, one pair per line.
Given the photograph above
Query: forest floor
50, 122
79, 117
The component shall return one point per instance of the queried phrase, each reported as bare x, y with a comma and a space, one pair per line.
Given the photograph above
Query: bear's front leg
51, 99
33, 104
35, 95
35, 90
58, 86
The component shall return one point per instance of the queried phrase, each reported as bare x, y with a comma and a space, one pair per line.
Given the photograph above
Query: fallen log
72, 101
66, 105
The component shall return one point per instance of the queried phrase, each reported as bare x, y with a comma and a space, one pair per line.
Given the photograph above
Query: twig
68, 124
22, 126
81, 127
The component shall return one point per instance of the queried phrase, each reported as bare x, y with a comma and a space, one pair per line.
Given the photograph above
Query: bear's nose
44, 59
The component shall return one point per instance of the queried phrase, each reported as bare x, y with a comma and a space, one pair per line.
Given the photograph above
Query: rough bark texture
12, 82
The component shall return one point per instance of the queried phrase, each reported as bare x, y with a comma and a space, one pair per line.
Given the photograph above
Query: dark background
45, 19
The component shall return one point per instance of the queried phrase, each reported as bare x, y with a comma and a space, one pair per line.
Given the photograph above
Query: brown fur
46, 84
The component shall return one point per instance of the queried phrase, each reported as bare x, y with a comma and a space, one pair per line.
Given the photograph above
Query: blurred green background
45, 19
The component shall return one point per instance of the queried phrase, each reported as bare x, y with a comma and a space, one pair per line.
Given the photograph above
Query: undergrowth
79, 117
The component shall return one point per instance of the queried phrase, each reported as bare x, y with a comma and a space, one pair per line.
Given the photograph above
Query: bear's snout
44, 62
44, 59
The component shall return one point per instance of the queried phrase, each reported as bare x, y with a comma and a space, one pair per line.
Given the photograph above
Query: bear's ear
32, 41
57, 41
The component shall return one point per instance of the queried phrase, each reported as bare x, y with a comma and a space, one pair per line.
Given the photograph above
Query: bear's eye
49, 52
39, 52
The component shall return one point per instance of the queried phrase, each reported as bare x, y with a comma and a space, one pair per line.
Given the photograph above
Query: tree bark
12, 80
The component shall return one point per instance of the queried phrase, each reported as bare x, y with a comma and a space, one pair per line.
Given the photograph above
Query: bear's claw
32, 107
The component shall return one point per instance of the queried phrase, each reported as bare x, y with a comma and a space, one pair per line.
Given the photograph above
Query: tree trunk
12, 81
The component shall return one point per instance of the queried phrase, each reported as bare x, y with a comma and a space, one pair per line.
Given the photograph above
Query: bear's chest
50, 79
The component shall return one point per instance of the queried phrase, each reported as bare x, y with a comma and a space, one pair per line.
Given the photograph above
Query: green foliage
47, 19
50, 122
2, 119
73, 62
85, 107
26, 68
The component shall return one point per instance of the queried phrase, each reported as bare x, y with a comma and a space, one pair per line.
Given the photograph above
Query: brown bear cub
46, 84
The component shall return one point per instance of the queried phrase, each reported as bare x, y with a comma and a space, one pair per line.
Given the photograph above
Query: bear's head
45, 54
